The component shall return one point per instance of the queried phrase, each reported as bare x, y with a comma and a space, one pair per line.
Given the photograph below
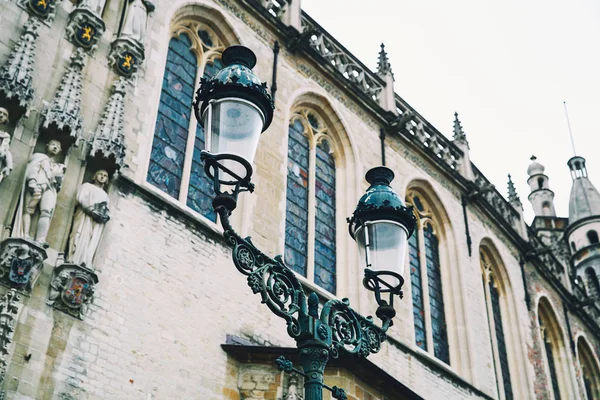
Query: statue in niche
6, 162
96, 6
43, 179
90, 216
136, 20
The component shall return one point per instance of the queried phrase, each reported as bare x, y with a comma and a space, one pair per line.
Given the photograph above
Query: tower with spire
584, 227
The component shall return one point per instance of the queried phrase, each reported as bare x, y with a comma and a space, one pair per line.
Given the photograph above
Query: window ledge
128, 185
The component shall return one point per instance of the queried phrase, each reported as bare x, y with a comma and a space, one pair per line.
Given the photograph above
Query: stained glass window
417, 291
325, 218
500, 341
552, 368
171, 131
436, 299
306, 183
195, 51
426, 283
296, 215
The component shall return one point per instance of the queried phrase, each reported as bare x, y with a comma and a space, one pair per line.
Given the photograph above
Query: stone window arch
194, 51
591, 283
590, 371
429, 309
313, 186
554, 351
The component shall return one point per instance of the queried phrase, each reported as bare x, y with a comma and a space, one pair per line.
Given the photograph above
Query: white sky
505, 66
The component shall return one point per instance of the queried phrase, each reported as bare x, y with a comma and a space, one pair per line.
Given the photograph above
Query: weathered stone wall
168, 292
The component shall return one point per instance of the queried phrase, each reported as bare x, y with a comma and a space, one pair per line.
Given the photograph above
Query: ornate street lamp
235, 108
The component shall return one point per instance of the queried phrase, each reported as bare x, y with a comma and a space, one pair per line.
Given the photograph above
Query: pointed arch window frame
426, 218
316, 132
205, 56
587, 360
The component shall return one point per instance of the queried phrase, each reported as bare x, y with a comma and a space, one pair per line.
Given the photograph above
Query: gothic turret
460, 140
387, 98
541, 197
584, 225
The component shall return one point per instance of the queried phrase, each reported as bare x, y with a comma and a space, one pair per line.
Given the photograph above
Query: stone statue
136, 19
95, 6
6, 162
90, 216
43, 179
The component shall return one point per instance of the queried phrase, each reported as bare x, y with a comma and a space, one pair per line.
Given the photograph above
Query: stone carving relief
294, 388
45, 10
9, 308
43, 180
72, 289
20, 263
90, 217
6, 162
85, 27
107, 147
15, 75
95, 6
127, 51
61, 119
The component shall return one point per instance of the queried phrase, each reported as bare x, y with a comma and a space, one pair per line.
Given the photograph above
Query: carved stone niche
21, 260
85, 29
125, 56
45, 10
72, 289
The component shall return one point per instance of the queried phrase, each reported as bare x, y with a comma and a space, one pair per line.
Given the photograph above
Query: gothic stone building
126, 290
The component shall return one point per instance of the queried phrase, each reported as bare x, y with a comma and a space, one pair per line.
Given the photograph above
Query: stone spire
513, 197
584, 201
63, 115
108, 141
459, 134
15, 74
460, 140
387, 97
383, 64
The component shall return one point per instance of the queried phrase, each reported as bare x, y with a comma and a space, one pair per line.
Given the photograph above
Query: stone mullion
425, 290
312, 214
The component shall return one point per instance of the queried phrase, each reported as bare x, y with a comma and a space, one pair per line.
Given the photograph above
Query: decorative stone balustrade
341, 59
496, 201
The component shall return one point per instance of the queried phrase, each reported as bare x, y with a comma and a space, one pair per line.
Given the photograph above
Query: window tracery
175, 166
554, 349
426, 282
590, 372
310, 232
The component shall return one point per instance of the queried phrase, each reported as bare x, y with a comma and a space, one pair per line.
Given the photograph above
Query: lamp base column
313, 359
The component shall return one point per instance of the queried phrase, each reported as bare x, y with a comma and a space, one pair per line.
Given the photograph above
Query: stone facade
156, 320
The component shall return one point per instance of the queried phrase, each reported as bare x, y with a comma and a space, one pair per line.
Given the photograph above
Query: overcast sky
505, 66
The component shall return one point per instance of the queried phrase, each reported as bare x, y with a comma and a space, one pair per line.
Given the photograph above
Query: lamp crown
380, 176
239, 55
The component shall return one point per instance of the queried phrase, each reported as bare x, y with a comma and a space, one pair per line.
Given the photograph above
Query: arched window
592, 236
540, 183
175, 167
573, 247
554, 350
590, 373
310, 223
591, 280
426, 282
496, 325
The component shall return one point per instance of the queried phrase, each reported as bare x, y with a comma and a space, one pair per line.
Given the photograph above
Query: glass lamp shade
234, 126
382, 244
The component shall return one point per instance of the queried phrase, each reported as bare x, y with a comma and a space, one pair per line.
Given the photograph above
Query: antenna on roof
569, 125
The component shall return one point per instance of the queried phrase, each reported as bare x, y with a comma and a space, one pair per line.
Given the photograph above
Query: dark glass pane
436, 299
171, 130
325, 218
500, 341
417, 292
205, 37
201, 193
296, 216
313, 121
552, 368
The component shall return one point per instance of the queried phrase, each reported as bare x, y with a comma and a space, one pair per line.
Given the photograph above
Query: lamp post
234, 107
